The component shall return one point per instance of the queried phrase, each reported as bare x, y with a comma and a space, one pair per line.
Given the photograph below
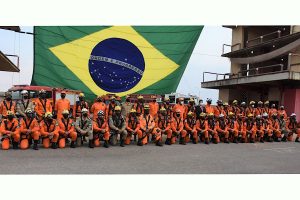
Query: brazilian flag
113, 59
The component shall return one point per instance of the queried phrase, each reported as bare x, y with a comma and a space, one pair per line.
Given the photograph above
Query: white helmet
265, 114
24, 92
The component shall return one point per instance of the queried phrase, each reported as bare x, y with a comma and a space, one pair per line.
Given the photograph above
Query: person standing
24, 104
61, 105
79, 105
7, 105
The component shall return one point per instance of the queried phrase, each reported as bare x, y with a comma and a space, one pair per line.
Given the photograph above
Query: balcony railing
260, 39
231, 47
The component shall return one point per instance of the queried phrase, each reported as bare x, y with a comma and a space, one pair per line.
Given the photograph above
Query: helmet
274, 114
84, 110
260, 102
190, 113
117, 108
192, 100
132, 110
180, 99
265, 114
10, 113
282, 107
267, 102
250, 115
167, 99
208, 99
221, 116
48, 115
65, 112
140, 97
81, 95
146, 107
42, 91
243, 103
24, 92
162, 109
258, 116
252, 102
219, 101
202, 114
293, 115
225, 104
235, 102
230, 114
211, 114
28, 110
112, 97
100, 113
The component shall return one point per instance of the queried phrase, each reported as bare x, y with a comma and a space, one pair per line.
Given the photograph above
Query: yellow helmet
225, 104
28, 110
48, 115
235, 102
162, 109
190, 113
192, 99
230, 114
117, 108
167, 99
140, 97
9, 112
146, 107
65, 111
211, 114
132, 110
249, 115
81, 95
202, 114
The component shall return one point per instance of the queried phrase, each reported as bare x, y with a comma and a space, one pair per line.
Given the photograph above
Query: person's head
167, 100
210, 115
266, 103
281, 116
127, 98
281, 107
29, 113
250, 117
258, 117
219, 102
140, 99
99, 99
8, 96
208, 101
259, 104
274, 115
240, 117
113, 99
235, 102
49, 116
191, 101
42, 94
252, 103
265, 115
146, 109
24, 94
10, 115
84, 112
153, 98
225, 105
202, 116
181, 101
200, 101
273, 105
190, 115
231, 115
163, 111
177, 113
221, 117
100, 114
118, 110
65, 114
81, 96
63, 94
132, 112
243, 104
293, 116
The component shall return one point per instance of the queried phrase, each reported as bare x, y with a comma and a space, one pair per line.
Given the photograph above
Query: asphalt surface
267, 158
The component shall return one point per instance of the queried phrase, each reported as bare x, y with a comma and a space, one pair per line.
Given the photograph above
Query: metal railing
231, 46
261, 38
16, 56
217, 75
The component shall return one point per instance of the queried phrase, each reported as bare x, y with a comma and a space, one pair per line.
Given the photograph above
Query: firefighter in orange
294, 126
66, 130
49, 131
251, 108
212, 128
274, 126
208, 107
250, 128
97, 106
191, 128
163, 123
232, 127
61, 105
243, 108
111, 106
79, 105
132, 126
147, 126
241, 128
190, 107
282, 111
273, 110
10, 131
227, 109
202, 128
266, 108
259, 110
234, 108
222, 129
268, 135
218, 110
101, 129
42, 105
139, 106
154, 107
7, 105
179, 106
260, 132
30, 129
168, 107
283, 128
177, 127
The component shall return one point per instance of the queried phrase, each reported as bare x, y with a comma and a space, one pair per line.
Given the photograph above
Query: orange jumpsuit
96, 107
177, 127
209, 109
7, 106
267, 110
179, 107
272, 111
232, 127
259, 111
280, 112
212, 130
202, 128
66, 125
32, 125
241, 129
163, 123
100, 127
61, 105
189, 108
250, 110
153, 109
219, 110
222, 129
266, 127
139, 107
294, 127
261, 128
132, 125
191, 128
274, 126
78, 106
250, 129
147, 126
111, 108
46, 129
168, 108
235, 110
11, 129
41, 107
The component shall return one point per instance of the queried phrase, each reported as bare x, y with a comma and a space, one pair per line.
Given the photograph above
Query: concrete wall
224, 95
237, 37
292, 101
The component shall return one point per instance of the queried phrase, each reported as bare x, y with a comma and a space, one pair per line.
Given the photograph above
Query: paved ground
176, 159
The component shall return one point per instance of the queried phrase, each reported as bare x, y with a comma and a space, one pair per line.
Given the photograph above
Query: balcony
7, 65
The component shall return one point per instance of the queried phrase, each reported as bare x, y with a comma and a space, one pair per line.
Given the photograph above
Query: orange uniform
274, 126
100, 126
11, 129
78, 106
294, 127
209, 108
177, 126
7, 106
49, 132
250, 110
202, 128
191, 128
180, 107
61, 105
147, 126
153, 109
250, 129
42, 106
212, 130
164, 124
96, 107
132, 126
66, 126
139, 107
219, 110
168, 108
282, 112
111, 107
30, 125
232, 127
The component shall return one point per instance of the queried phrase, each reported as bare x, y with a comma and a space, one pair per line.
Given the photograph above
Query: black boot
73, 145
194, 141
261, 140
54, 145
226, 141
168, 141
15, 145
297, 139
29, 142
106, 144
158, 143
122, 143
284, 139
270, 139
235, 140
276, 139
35, 145
215, 141
243, 140
91, 143
206, 141
252, 141
139, 143
182, 141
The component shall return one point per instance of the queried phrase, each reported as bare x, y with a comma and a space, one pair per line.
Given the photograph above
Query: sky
206, 57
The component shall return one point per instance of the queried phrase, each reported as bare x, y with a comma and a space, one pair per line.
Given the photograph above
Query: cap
24, 92
221, 116
230, 114
265, 114
162, 109
84, 110
267, 102
225, 104
202, 114
235, 101
65, 111
132, 110
211, 114
81, 95
249, 115
117, 108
